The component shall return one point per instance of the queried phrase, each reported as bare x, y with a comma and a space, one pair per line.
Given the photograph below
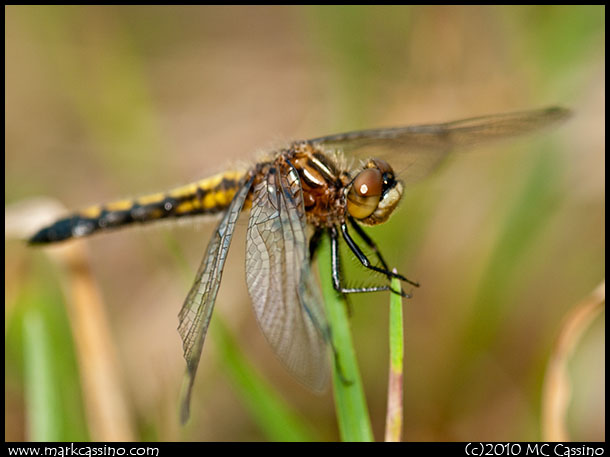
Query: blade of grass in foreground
41, 381
274, 416
352, 412
393, 430
53, 393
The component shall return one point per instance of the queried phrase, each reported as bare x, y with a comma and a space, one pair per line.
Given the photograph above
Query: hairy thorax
323, 184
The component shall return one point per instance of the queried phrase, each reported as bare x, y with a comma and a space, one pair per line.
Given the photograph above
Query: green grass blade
271, 413
42, 400
350, 402
52, 392
393, 431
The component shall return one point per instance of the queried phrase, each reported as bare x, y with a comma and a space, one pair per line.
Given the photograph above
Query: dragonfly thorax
323, 184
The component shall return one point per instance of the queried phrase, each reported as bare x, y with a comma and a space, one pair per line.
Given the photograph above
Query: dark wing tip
185, 396
184, 413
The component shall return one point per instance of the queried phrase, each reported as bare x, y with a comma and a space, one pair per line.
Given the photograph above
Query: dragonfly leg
336, 271
364, 259
370, 243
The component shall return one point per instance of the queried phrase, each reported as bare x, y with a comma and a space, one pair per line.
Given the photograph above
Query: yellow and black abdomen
208, 196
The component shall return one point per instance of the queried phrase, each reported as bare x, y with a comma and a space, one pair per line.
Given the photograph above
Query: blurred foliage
276, 419
103, 102
38, 342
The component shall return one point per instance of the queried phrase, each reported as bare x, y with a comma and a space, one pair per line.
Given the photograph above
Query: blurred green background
107, 102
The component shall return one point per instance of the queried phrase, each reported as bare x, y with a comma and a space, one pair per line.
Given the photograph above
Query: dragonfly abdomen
207, 196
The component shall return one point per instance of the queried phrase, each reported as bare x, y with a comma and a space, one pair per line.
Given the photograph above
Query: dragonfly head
374, 193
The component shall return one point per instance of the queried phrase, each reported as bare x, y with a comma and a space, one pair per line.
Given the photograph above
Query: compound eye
365, 193
383, 166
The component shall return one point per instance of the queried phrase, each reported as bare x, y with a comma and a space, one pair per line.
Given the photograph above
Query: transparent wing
284, 294
196, 312
415, 151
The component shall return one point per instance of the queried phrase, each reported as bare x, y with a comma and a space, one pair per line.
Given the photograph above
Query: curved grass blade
350, 402
557, 388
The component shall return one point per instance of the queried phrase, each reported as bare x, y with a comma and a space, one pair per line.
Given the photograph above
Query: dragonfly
330, 185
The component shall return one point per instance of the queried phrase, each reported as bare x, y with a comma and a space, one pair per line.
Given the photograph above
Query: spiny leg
367, 239
336, 271
364, 259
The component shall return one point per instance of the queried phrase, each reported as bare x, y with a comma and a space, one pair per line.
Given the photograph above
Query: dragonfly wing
196, 312
415, 151
284, 294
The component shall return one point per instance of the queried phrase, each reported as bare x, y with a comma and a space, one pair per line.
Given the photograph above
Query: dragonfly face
296, 196
374, 193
